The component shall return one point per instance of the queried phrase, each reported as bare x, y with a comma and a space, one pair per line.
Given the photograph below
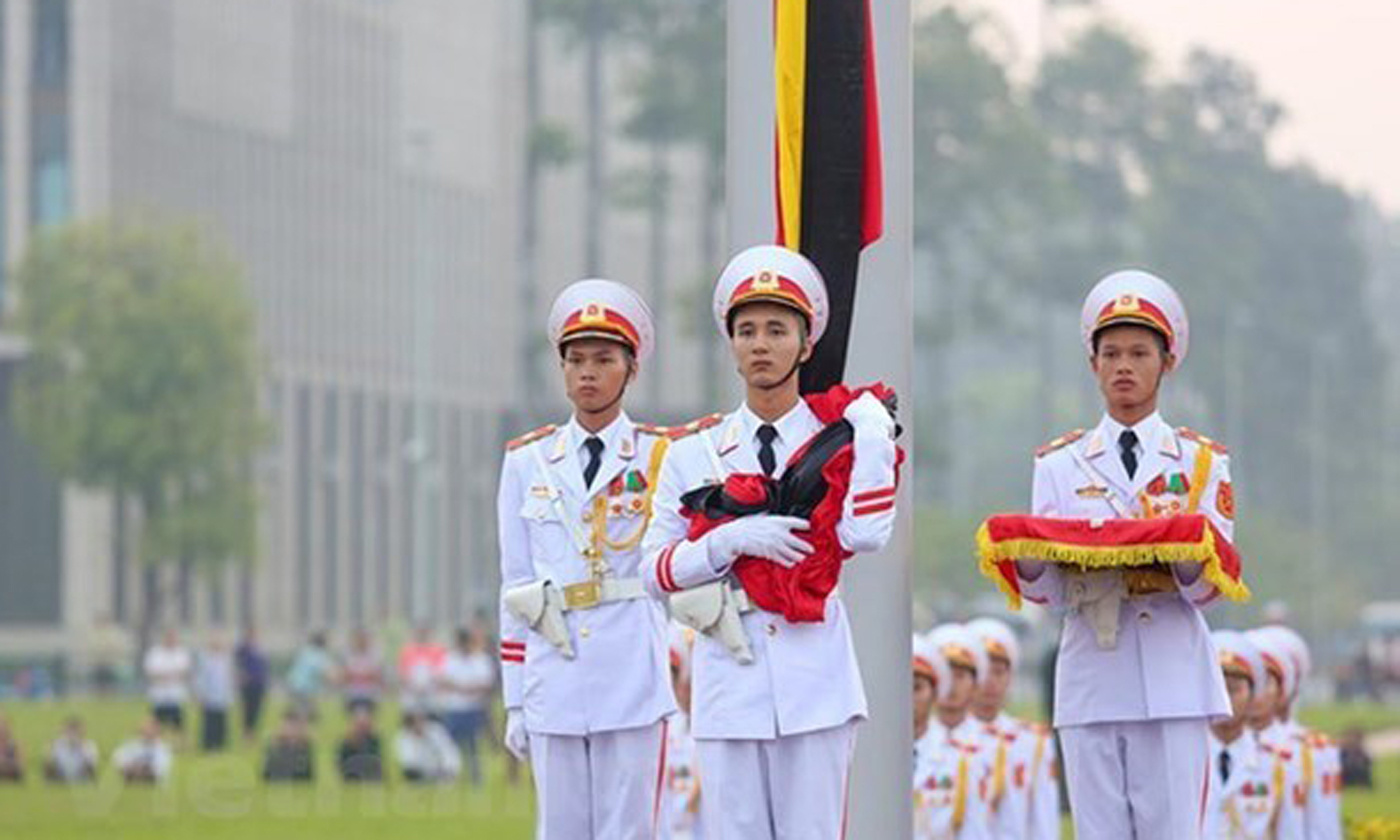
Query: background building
361, 160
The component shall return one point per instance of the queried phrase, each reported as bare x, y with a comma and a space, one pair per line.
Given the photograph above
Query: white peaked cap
930, 662
1277, 657
773, 274
1137, 297
998, 639
1239, 655
1296, 649
961, 647
606, 309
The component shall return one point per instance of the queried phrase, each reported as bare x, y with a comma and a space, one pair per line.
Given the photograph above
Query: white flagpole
875, 587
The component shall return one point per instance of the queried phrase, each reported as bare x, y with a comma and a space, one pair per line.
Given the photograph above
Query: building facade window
356, 514
330, 504
303, 520
50, 186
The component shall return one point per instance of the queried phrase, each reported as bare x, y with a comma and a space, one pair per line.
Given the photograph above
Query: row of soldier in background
979, 773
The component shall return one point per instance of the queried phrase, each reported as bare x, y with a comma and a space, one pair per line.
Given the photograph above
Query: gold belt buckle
582, 596
1148, 580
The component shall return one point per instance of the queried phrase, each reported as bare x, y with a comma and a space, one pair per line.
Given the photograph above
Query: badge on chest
626, 495
1167, 495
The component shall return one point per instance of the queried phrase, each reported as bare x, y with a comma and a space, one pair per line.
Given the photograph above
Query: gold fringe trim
987, 563
1104, 557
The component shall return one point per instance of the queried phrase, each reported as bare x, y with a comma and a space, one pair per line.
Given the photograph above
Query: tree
591, 24
1028, 191
142, 381
677, 98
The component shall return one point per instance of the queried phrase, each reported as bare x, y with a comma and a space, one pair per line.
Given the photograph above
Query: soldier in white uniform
953, 713
933, 679
775, 701
950, 775
1136, 687
1318, 793
1326, 819
583, 649
1024, 801
1279, 675
1250, 784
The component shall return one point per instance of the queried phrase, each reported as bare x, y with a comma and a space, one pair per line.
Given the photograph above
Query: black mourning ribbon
797, 493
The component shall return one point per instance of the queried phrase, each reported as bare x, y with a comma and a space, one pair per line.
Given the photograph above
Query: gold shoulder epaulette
709, 421
1193, 435
1059, 443
531, 437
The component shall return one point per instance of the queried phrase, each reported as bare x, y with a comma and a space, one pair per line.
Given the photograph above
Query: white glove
1030, 570
517, 737
1187, 573
868, 415
761, 535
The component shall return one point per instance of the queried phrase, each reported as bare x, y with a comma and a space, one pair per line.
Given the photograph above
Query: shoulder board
1279, 751
653, 429
1197, 437
1320, 739
1059, 443
696, 426
530, 437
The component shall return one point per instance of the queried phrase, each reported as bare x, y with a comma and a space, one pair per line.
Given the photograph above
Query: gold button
583, 632
772, 629
588, 516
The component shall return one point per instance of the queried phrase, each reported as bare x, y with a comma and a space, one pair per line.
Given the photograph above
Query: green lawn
220, 796
215, 797
1336, 718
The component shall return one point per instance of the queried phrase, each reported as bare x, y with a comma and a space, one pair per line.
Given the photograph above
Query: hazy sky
1333, 64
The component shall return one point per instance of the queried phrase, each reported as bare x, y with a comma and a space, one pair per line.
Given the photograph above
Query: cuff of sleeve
686, 564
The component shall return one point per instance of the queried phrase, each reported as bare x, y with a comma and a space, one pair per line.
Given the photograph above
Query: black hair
734, 311
626, 348
1098, 333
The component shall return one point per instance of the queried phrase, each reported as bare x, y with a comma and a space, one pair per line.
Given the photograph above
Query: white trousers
789, 788
604, 786
1137, 780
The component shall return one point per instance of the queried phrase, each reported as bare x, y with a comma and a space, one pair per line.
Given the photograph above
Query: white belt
590, 593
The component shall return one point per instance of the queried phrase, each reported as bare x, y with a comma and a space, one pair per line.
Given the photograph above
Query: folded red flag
798, 593
1105, 544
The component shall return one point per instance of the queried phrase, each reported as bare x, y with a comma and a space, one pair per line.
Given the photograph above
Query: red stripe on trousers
660, 780
1205, 790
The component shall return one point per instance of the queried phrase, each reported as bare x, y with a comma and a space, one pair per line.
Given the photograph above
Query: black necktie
1224, 766
595, 459
767, 458
1126, 444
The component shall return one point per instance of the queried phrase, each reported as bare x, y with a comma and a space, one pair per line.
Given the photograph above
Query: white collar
1147, 430
608, 434
793, 427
